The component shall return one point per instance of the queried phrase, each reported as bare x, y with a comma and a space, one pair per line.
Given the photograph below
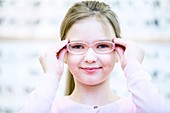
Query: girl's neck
100, 94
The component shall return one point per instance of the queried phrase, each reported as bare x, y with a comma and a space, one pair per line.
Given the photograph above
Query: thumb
120, 52
62, 54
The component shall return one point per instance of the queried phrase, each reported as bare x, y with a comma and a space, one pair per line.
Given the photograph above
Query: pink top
145, 97
65, 105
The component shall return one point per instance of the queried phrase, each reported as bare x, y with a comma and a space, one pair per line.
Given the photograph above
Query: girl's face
90, 68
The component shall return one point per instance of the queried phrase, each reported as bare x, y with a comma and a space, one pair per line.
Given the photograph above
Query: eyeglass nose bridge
90, 47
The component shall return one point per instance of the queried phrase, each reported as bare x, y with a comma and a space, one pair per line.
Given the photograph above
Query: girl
90, 46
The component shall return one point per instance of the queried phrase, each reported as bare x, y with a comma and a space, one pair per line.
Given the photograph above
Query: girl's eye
77, 46
102, 46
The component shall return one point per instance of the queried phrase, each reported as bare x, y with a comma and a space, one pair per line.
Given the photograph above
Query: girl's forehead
90, 41
91, 30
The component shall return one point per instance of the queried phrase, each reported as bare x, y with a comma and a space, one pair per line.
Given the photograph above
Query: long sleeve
145, 94
41, 99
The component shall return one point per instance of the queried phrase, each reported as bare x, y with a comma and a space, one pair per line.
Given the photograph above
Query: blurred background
28, 27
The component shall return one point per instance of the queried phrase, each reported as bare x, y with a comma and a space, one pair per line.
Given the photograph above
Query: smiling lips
91, 70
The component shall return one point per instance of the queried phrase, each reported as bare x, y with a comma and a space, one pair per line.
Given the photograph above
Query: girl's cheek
73, 59
109, 58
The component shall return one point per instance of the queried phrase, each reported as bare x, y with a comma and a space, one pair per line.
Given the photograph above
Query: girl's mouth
91, 70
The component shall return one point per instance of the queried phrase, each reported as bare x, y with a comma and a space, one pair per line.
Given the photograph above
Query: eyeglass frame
91, 46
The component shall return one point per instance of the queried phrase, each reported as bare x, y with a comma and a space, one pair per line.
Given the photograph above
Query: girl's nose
90, 56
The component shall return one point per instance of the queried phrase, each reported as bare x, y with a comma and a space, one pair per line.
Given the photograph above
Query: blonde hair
82, 10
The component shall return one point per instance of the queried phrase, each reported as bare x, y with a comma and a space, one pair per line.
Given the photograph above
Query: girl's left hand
52, 60
128, 51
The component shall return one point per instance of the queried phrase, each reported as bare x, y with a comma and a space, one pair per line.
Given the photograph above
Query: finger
60, 45
41, 62
121, 42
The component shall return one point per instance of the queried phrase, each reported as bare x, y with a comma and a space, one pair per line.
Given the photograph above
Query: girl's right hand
52, 60
128, 51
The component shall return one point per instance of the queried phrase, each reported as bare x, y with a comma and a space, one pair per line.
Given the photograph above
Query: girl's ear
116, 57
65, 58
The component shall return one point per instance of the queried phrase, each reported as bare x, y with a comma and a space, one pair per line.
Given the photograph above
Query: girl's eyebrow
77, 41
93, 41
105, 40
81, 41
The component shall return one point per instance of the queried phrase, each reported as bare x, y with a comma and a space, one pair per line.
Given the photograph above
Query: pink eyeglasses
100, 47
